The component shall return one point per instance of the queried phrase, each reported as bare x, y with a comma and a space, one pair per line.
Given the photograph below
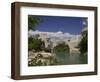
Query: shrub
61, 47
36, 44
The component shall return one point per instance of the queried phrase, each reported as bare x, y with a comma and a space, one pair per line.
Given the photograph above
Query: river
71, 58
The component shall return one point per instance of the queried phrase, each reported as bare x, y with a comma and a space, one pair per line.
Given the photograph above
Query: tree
62, 47
33, 21
83, 42
35, 44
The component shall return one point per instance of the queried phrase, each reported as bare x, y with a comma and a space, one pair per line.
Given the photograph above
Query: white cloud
57, 35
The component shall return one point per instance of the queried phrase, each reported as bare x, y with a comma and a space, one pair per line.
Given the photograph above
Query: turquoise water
74, 58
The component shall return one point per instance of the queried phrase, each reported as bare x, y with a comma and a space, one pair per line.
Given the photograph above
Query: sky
72, 25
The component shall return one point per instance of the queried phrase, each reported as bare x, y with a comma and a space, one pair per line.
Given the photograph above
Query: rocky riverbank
41, 58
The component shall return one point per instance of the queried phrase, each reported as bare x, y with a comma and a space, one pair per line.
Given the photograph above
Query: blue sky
72, 25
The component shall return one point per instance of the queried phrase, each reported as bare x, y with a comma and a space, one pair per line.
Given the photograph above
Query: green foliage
62, 47
32, 22
83, 42
36, 44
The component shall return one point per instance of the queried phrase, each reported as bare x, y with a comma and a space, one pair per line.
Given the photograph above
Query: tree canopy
33, 21
62, 47
83, 43
36, 44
